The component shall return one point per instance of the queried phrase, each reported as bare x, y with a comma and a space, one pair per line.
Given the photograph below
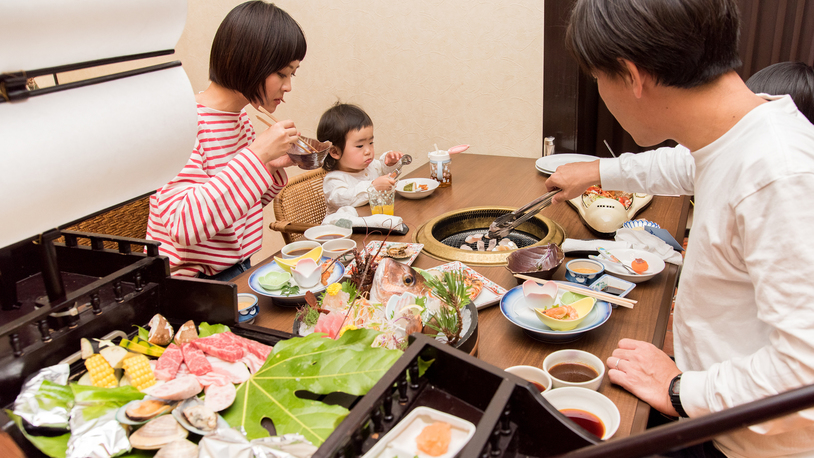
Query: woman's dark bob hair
255, 40
680, 43
334, 126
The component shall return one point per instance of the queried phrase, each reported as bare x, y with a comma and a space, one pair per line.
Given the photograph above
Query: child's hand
275, 141
383, 182
391, 158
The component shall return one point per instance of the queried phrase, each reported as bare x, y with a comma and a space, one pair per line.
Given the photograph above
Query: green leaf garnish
205, 329
315, 364
289, 289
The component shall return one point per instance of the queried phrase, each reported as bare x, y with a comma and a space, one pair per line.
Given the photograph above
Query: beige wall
427, 71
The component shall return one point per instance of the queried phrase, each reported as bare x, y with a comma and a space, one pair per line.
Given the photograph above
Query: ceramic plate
517, 309
549, 164
373, 246
279, 298
400, 442
626, 255
491, 293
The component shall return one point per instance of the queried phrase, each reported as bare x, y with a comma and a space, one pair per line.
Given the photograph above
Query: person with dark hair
352, 166
743, 314
793, 78
209, 218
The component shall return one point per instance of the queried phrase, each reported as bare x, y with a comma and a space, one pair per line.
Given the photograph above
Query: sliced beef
221, 346
167, 366
195, 360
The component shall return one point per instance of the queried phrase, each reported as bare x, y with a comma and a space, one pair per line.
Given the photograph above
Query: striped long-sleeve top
210, 216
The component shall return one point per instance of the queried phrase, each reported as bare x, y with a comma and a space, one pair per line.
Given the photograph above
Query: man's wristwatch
675, 399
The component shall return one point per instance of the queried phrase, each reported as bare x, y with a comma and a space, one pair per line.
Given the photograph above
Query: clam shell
157, 433
146, 410
181, 448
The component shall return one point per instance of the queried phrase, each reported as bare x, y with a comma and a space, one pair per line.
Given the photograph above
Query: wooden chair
300, 205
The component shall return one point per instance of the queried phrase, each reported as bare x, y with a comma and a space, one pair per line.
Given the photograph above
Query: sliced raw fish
237, 372
219, 397
176, 390
167, 366
195, 360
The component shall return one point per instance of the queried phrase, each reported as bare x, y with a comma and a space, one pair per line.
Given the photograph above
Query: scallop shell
157, 433
181, 448
146, 410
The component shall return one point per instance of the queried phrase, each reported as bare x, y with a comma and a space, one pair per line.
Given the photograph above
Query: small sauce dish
247, 307
583, 271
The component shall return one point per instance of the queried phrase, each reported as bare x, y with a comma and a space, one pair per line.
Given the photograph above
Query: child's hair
334, 126
255, 40
683, 44
793, 78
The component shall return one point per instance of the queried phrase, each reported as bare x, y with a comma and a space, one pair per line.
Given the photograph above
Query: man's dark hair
681, 43
793, 78
334, 126
255, 40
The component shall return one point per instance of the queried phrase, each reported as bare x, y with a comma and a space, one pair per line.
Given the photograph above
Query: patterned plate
491, 293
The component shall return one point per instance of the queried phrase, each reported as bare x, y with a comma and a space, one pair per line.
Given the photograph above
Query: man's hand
573, 179
645, 371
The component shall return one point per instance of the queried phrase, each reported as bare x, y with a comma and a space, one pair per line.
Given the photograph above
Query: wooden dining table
481, 180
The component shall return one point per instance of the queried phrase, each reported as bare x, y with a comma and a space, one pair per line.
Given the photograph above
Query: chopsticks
305, 144
585, 292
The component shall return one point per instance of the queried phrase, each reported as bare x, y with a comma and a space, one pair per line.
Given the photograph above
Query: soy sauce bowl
597, 404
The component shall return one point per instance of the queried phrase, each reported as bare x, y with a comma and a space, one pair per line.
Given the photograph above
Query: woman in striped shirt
209, 218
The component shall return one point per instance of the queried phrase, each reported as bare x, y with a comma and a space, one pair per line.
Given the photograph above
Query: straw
585, 292
308, 147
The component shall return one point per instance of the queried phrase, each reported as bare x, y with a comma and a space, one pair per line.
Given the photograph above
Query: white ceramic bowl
338, 247
589, 401
577, 357
327, 232
431, 186
654, 265
532, 374
299, 248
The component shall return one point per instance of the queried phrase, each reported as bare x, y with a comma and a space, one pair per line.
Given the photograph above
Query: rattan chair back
128, 220
301, 201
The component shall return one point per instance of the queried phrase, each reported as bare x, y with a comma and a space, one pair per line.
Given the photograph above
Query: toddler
351, 165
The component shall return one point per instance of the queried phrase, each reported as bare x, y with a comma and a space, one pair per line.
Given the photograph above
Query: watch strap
675, 398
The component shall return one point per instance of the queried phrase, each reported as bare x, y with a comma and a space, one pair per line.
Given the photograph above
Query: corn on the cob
138, 370
101, 374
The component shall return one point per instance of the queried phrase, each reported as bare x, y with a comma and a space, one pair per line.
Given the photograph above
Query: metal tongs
504, 224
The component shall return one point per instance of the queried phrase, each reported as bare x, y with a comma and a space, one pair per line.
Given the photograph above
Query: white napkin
591, 245
372, 221
643, 240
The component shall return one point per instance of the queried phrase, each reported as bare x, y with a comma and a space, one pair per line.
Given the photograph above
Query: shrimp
563, 312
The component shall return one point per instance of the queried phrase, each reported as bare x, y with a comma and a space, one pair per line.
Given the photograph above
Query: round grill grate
520, 238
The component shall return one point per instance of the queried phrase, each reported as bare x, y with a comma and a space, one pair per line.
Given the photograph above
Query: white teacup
562, 378
532, 374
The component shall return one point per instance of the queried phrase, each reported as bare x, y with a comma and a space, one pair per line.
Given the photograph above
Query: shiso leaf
205, 329
315, 364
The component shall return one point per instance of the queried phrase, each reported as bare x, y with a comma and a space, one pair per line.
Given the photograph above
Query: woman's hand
275, 141
573, 179
391, 158
279, 163
645, 371
383, 182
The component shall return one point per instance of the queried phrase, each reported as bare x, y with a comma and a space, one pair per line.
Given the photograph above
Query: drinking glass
382, 201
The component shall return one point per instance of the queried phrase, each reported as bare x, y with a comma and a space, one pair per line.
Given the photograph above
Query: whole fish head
393, 277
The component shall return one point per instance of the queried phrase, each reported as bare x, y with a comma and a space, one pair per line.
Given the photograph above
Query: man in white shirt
744, 315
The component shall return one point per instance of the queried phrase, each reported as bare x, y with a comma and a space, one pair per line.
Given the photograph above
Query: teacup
574, 368
538, 377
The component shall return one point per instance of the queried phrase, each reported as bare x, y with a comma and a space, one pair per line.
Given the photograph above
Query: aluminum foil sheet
102, 437
28, 406
231, 443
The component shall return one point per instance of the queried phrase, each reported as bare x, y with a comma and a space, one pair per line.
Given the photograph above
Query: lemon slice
287, 264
